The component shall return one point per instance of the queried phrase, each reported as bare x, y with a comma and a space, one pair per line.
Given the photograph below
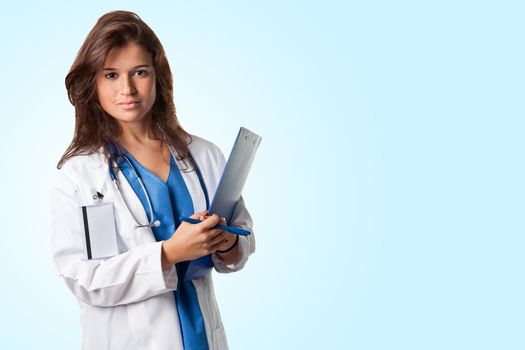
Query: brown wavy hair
94, 128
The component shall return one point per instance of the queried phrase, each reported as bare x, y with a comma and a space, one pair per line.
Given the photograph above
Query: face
126, 84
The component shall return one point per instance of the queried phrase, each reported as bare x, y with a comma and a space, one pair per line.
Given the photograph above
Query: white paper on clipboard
235, 174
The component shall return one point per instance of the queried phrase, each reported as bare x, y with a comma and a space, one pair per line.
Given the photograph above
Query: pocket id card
100, 234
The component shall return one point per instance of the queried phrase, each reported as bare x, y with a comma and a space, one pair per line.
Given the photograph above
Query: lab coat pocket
138, 324
154, 323
100, 236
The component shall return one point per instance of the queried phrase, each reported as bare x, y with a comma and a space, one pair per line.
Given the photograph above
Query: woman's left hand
228, 241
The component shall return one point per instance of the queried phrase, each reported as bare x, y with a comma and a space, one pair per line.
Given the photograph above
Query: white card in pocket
100, 235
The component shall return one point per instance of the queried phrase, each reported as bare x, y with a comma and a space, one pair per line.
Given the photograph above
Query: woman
129, 151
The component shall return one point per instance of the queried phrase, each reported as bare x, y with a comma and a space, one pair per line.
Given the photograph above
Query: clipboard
235, 174
228, 193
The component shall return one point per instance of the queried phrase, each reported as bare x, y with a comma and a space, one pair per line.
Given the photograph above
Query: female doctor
130, 154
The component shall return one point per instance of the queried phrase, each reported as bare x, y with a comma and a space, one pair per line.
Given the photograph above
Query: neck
136, 133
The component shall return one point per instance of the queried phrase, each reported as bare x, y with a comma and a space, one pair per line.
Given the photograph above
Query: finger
223, 221
210, 221
214, 232
216, 247
219, 238
199, 214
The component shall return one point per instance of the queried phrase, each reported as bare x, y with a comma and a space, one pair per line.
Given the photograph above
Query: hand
230, 238
191, 241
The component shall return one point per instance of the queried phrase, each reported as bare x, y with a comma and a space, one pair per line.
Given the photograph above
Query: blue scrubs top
170, 200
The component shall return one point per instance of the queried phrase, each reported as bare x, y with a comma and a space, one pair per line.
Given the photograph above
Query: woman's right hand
191, 241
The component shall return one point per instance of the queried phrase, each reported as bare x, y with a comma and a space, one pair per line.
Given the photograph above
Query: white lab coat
127, 301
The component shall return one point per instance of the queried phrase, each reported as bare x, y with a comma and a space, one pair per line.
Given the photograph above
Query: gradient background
387, 194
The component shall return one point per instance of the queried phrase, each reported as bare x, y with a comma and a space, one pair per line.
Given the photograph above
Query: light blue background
388, 191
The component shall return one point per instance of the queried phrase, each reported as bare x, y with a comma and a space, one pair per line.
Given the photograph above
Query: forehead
130, 55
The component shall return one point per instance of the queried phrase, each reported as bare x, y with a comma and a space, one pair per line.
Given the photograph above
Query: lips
129, 104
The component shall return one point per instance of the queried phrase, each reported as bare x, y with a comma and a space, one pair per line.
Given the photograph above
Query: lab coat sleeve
126, 278
241, 218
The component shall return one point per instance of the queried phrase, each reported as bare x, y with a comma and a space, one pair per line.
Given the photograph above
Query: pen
235, 230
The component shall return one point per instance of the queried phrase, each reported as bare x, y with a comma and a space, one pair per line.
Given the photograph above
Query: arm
126, 278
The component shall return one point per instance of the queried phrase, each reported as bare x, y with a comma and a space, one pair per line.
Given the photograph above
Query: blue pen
235, 230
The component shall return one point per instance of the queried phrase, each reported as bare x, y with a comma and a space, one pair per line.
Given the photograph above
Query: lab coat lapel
127, 228
194, 187
131, 198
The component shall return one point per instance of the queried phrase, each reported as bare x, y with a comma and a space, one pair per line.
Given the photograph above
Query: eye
110, 75
141, 72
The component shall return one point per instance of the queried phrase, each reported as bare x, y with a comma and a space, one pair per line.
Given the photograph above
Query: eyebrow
140, 66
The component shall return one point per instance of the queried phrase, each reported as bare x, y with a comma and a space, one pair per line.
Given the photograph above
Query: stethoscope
152, 222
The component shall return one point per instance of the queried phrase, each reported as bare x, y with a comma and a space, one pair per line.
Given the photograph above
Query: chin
131, 117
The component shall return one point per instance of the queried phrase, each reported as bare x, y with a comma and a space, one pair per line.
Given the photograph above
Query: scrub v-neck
169, 201
138, 164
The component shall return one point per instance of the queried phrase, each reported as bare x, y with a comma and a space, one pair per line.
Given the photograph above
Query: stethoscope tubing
152, 222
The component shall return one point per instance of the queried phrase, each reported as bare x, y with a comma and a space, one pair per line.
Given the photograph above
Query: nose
127, 88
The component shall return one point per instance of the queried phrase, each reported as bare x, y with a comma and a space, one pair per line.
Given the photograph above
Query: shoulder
84, 162
202, 148
79, 166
